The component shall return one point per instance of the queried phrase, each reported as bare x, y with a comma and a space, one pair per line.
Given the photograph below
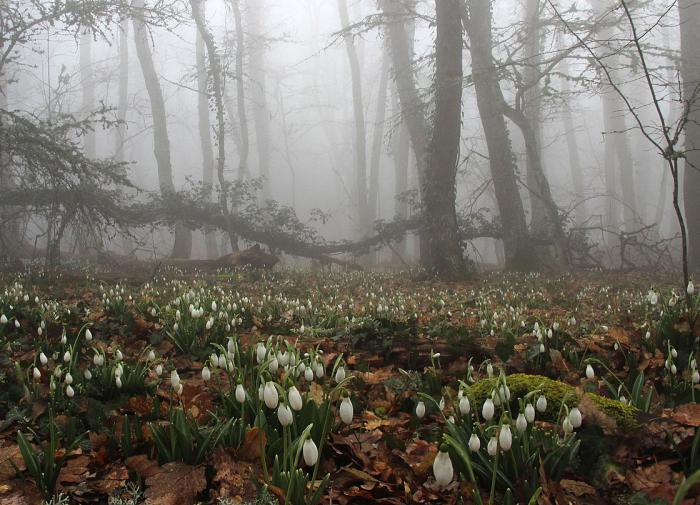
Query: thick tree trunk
444, 252
518, 253
161, 144
359, 151
204, 134
261, 116
689, 12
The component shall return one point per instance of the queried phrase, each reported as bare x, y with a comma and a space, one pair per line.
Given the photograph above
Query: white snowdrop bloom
213, 306
179, 389
206, 373
420, 409
464, 406
542, 349
214, 360
174, 379
177, 315
320, 370
260, 353
222, 361
270, 395
590, 373
489, 370
87, 374
39, 331
151, 355
696, 377
240, 393
88, 335
474, 443
340, 374
118, 382
274, 366
652, 297
575, 417
488, 409
284, 415
66, 356
647, 336
555, 325
346, 410
153, 312
690, 289
159, 370
623, 399
442, 468
567, 426
118, 355
441, 405
604, 327
43, 359
209, 324
541, 403
36, 373
530, 413
118, 370
3, 319
69, 391
68, 379
294, 398
175, 327
505, 438
310, 452
17, 324
674, 353
308, 374
492, 446
674, 369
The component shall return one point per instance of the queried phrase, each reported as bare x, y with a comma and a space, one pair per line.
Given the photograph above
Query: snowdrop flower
118, 382
206, 374
489, 370
567, 426
270, 395
541, 403
174, 379
3, 319
87, 374
530, 412
68, 378
696, 377
464, 406
64, 339
652, 297
320, 370
441, 405
274, 366
36, 374
308, 374
43, 359
674, 369
690, 289
118, 355
521, 423
590, 373
420, 409
575, 417
505, 438
674, 353
69, 391
66, 356
284, 415
283, 358
88, 335
346, 410
151, 355
310, 452
179, 389
488, 409
340, 374
240, 393
492, 446
442, 467
159, 370
647, 336
260, 353
294, 398
213, 306
210, 323
474, 443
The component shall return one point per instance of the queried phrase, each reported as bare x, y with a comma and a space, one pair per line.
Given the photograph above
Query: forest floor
253, 386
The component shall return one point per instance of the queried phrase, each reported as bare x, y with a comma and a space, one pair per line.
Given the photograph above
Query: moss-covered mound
520, 384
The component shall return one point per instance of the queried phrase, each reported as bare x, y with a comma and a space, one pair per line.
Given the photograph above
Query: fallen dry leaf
176, 484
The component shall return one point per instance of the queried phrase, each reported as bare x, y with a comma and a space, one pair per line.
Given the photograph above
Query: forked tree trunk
444, 251
161, 144
204, 133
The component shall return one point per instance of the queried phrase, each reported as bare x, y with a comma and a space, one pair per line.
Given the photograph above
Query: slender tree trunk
161, 144
359, 150
88, 88
240, 92
216, 75
204, 134
689, 12
258, 95
400, 151
517, 250
10, 238
444, 251
377, 140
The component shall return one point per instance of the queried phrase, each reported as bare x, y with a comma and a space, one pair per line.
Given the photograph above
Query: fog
595, 84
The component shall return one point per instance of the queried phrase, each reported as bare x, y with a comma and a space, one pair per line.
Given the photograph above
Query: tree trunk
689, 12
261, 116
161, 144
9, 225
444, 252
244, 146
87, 84
360, 154
518, 253
400, 151
377, 140
204, 135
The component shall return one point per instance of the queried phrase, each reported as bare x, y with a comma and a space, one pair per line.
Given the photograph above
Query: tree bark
244, 146
377, 140
518, 253
689, 12
400, 152
87, 84
258, 95
161, 143
444, 252
360, 154
204, 127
